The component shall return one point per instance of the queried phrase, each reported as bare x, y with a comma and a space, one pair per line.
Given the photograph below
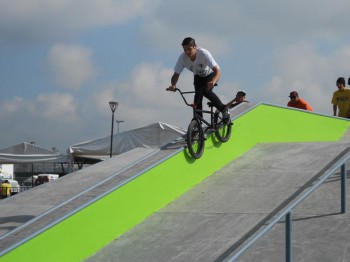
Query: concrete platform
216, 217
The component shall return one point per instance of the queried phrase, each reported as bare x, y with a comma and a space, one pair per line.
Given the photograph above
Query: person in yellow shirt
5, 189
341, 99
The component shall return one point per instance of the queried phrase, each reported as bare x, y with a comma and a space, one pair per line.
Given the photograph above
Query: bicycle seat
210, 104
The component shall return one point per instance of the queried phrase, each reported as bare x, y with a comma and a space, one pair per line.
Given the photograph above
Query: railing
286, 213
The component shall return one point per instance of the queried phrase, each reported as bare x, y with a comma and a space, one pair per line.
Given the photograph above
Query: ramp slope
219, 214
90, 228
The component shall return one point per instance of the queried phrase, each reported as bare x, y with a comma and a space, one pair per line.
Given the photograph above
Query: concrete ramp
216, 217
33, 211
220, 199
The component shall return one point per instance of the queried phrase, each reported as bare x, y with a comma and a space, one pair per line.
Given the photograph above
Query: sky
62, 61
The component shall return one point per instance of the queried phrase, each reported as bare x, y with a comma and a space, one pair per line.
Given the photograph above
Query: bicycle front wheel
195, 139
222, 130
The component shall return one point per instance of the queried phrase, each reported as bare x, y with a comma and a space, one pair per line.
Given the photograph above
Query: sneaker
225, 116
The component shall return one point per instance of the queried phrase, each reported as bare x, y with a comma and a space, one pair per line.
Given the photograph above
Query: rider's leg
198, 97
201, 89
210, 95
218, 104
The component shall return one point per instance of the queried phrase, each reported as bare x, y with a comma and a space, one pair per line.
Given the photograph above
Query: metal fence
286, 213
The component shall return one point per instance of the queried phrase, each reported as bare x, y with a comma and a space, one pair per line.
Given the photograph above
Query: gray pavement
215, 217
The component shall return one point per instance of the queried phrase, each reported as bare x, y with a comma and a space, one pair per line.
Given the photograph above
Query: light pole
113, 105
118, 122
33, 144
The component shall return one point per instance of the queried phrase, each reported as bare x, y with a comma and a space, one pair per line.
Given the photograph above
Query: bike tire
195, 139
222, 130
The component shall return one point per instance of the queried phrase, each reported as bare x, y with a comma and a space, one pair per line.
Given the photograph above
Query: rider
206, 75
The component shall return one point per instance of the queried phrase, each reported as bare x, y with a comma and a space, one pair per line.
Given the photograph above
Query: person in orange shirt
297, 102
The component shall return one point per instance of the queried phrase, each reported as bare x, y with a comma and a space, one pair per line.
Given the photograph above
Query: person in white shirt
206, 73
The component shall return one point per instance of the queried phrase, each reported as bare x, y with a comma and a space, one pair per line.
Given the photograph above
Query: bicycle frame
195, 136
196, 111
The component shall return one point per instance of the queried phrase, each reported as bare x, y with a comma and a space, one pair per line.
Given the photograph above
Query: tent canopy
28, 153
153, 135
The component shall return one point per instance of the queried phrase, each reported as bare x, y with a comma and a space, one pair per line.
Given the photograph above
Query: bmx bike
195, 137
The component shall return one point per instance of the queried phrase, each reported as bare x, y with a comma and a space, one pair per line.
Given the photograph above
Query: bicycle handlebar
182, 94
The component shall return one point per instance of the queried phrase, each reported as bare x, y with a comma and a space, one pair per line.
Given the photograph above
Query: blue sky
62, 61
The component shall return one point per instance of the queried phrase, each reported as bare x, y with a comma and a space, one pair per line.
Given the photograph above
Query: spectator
341, 99
5, 189
297, 102
240, 98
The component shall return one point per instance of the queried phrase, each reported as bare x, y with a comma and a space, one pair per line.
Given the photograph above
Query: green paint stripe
86, 232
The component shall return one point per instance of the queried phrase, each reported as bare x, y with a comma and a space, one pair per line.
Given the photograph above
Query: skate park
159, 204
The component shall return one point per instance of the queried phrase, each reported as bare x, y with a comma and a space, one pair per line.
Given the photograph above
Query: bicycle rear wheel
195, 139
222, 130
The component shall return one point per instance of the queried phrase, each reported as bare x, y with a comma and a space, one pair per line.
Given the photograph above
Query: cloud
221, 24
57, 107
143, 98
295, 20
163, 34
70, 66
49, 119
8, 107
47, 107
41, 20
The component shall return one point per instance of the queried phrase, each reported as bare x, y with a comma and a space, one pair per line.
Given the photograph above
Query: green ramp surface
92, 227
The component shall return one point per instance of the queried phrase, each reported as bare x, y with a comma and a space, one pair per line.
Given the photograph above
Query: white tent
153, 135
28, 153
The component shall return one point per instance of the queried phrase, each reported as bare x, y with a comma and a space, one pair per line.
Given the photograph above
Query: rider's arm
230, 104
215, 79
173, 81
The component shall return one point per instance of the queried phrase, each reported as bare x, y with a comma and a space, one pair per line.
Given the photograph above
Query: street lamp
118, 122
113, 105
33, 144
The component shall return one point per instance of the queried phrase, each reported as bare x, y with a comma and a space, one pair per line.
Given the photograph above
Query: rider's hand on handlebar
171, 88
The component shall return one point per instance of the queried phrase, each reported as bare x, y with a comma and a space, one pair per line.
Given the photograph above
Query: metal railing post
343, 188
289, 237
286, 213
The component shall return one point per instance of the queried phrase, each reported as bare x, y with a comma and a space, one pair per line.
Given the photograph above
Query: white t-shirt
201, 66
